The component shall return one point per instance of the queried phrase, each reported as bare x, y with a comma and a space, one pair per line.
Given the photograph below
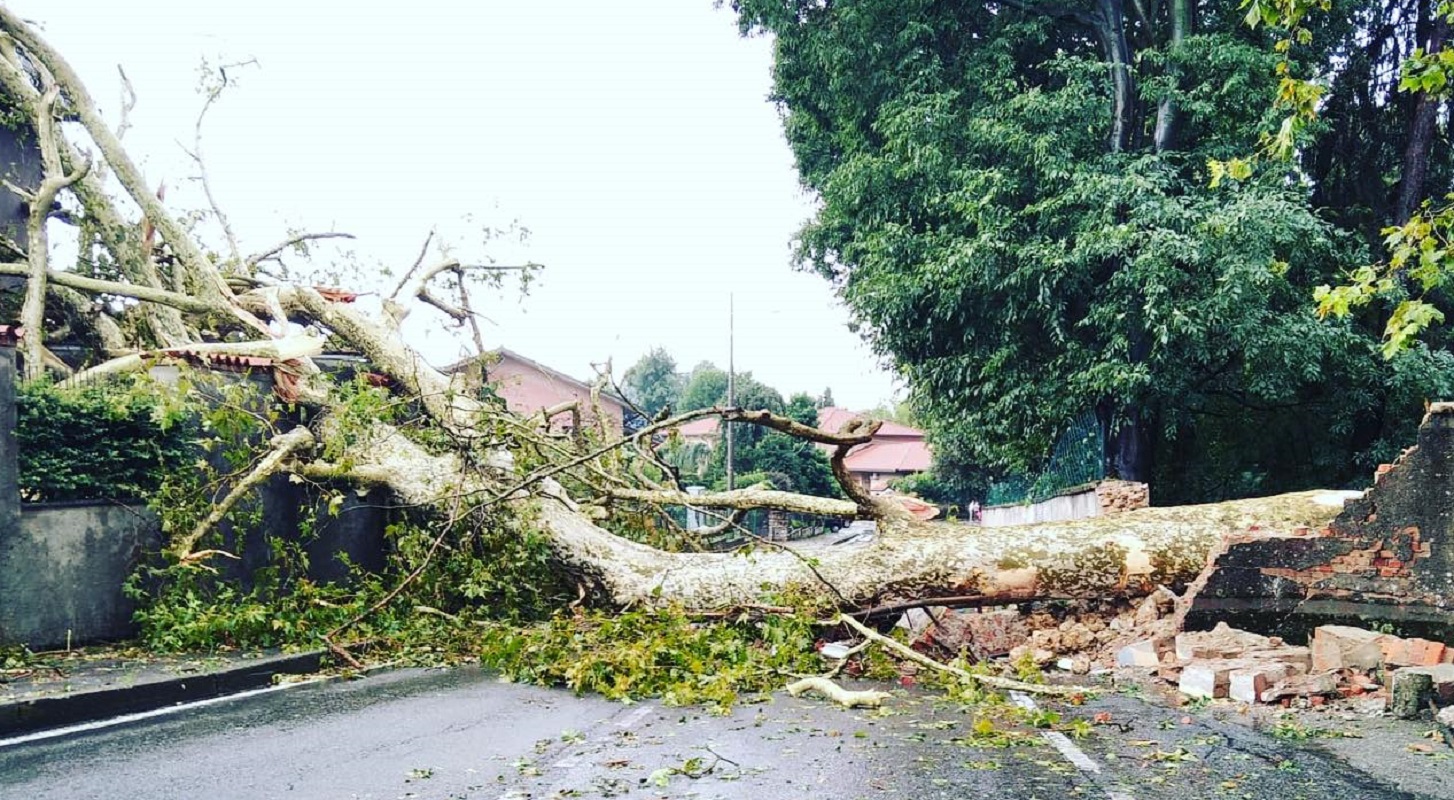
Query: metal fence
1076, 460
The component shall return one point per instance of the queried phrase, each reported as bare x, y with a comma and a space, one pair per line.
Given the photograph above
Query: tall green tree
652, 383
706, 387
1014, 203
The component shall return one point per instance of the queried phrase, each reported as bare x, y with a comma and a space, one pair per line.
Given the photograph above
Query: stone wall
1388, 556
1116, 496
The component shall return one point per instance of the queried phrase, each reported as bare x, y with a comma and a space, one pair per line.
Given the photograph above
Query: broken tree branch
744, 500
274, 251
55, 179
903, 651
283, 448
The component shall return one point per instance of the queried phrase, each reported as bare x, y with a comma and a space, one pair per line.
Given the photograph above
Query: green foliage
706, 387
657, 653
653, 382
1420, 263
1017, 269
486, 563
113, 441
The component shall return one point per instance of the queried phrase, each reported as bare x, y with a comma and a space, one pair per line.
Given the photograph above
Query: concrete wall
1078, 505
1106, 497
62, 571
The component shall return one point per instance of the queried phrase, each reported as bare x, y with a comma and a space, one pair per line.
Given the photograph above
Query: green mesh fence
1077, 459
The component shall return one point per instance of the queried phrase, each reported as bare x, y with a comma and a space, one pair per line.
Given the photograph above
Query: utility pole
731, 393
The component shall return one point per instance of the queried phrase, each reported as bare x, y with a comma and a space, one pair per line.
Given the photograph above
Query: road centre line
1066, 747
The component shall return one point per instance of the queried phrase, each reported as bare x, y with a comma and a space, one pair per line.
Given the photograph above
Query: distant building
528, 387
896, 450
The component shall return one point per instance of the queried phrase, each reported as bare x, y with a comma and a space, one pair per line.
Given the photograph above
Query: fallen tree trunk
1122, 555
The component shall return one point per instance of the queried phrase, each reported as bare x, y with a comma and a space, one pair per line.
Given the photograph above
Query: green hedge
104, 442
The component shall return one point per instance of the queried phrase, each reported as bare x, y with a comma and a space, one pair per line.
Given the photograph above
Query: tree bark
1422, 129
1126, 554
1111, 28
1168, 114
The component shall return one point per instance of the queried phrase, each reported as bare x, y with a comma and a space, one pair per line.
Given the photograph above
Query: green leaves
100, 442
1427, 72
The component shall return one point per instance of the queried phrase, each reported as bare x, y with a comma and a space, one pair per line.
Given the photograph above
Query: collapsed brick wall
1386, 556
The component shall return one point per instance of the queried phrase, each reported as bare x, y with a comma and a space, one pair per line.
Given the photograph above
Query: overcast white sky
632, 138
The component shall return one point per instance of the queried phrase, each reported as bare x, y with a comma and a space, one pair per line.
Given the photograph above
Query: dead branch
253, 260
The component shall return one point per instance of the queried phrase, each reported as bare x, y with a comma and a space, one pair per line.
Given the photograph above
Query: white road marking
140, 715
1066, 747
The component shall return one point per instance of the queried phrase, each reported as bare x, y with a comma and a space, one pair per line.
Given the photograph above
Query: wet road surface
462, 735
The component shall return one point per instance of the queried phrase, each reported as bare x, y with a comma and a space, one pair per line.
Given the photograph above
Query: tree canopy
653, 382
1015, 202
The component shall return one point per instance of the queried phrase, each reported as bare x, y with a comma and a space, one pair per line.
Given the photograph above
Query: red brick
1424, 653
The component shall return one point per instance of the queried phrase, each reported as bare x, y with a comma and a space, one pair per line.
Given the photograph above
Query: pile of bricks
1405, 675
1116, 496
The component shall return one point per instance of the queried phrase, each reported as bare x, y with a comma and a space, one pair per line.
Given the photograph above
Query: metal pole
731, 392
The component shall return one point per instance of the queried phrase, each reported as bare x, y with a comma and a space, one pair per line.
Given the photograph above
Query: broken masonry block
1208, 678
1247, 684
1145, 653
1339, 646
1302, 685
1222, 641
1423, 653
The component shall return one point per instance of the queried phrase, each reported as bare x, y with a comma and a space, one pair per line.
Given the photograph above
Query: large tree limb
1125, 554
176, 300
126, 171
114, 233
56, 178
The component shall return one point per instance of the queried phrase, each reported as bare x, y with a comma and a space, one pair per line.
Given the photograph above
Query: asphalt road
462, 735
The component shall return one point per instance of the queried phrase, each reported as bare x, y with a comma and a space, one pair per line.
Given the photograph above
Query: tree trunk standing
1110, 26
1422, 129
1167, 115
1126, 441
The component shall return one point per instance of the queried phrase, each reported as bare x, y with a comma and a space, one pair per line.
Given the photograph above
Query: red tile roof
832, 419
889, 456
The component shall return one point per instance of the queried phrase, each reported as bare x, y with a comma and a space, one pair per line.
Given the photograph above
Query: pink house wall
527, 388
